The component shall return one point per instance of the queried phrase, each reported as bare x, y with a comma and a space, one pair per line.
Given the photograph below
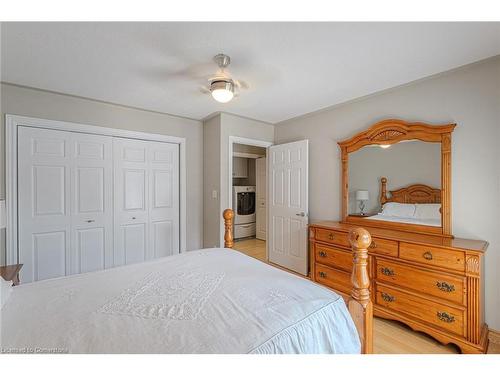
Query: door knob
302, 214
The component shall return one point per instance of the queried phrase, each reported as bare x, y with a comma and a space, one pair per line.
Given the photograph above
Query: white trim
13, 121
248, 142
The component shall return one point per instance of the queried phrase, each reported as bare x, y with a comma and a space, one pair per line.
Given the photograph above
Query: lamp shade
3, 220
362, 195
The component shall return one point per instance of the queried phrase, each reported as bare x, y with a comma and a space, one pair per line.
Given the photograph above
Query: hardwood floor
390, 337
252, 247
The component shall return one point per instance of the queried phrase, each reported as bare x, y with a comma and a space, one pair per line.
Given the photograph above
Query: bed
204, 301
416, 204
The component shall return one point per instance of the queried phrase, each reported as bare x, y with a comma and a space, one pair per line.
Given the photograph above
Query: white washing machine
244, 211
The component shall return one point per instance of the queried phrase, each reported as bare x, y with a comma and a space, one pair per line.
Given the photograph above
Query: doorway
248, 192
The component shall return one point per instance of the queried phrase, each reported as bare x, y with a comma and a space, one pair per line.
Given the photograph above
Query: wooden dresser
433, 284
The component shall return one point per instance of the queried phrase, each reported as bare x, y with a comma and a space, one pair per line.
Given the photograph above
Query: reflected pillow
428, 211
398, 209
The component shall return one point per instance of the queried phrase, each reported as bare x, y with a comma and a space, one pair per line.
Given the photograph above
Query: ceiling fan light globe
222, 95
222, 91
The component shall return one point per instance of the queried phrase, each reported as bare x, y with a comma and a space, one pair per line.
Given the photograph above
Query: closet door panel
134, 242
49, 255
131, 197
44, 191
164, 203
92, 203
163, 239
90, 249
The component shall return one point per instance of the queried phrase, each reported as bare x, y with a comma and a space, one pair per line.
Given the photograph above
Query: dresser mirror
396, 175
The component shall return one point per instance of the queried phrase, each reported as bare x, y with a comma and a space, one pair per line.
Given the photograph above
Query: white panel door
44, 212
288, 205
92, 202
163, 170
131, 196
261, 187
146, 200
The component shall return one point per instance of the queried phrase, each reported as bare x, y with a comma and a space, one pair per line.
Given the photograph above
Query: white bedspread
206, 301
407, 220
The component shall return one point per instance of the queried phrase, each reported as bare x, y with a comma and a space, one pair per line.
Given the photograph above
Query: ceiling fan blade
242, 84
193, 72
204, 90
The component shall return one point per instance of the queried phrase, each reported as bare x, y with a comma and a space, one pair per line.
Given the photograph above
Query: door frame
249, 142
11, 124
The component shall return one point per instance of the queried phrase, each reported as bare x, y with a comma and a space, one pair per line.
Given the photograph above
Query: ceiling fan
221, 86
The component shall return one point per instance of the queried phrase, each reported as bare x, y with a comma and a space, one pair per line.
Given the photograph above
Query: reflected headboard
417, 193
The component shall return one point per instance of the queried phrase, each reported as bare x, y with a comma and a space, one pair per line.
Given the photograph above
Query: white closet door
163, 163
261, 187
131, 190
44, 165
146, 200
92, 203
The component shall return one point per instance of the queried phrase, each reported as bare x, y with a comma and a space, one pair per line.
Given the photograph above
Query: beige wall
211, 181
229, 125
35, 103
403, 164
470, 97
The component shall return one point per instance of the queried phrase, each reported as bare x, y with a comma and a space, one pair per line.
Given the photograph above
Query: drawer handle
322, 254
445, 287
387, 297
90, 221
330, 236
373, 245
387, 271
427, 255
322, 274
445, 317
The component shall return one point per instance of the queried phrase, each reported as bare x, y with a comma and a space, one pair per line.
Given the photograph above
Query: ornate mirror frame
392, 131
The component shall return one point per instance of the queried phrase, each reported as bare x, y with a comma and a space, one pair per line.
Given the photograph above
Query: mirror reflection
397, 183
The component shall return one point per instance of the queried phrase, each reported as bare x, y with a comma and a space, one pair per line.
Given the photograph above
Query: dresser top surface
460, 243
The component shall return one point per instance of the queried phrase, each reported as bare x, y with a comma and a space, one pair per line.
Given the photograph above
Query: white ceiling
292, 68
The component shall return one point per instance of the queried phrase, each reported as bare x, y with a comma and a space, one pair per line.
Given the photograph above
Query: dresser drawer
448, 318
333, 257
436, 284
332, 278
432, 256
384, 247
332, 236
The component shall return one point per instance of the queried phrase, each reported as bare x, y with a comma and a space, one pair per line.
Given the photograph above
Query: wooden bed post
359, 304
228, 216
383, 191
